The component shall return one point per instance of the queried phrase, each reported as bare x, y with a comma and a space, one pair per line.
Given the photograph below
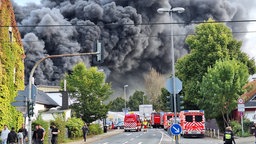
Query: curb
98, 137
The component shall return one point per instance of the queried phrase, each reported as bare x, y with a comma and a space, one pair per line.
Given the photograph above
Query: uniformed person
228, 137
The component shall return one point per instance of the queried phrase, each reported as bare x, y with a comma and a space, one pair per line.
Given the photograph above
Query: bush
74, 126
95, 129
61, 125
236, 127
247, 125
45, 125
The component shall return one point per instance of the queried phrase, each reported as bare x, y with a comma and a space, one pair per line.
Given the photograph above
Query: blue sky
24, 2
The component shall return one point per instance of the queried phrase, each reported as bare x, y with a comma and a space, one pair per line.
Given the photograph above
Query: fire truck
167, 120
156, 120
192, 123
132, 122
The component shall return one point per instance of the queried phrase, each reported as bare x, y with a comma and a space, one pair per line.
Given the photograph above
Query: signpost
178, 85
241, 109
175, 129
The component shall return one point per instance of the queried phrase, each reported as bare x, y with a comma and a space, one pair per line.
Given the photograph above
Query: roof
43, 98
250, 95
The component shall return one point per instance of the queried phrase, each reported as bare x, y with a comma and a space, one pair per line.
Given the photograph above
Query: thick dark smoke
131, 48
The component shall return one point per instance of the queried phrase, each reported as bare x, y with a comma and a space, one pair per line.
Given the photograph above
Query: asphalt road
149, 137
154, 136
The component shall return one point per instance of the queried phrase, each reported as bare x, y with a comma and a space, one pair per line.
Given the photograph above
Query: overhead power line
116, 24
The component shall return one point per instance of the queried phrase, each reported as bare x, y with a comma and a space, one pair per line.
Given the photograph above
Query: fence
213, 133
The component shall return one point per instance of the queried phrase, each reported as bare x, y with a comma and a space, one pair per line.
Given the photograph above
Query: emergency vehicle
155, 120
167, 120
132, 122
192, 123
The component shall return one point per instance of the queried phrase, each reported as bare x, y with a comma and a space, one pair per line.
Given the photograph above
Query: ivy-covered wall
11, 66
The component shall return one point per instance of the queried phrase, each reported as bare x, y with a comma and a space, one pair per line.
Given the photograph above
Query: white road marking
128, 134
131, 139
140, 143
161, 138
125, 142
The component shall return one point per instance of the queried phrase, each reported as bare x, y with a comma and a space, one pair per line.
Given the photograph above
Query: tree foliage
164, 101
11, 67
138, 98
221, 86
154, 81
211, 42
88, 87
117, 104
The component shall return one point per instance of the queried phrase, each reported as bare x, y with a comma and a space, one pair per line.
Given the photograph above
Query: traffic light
97, 58
179, 103
98, 47
30, 109
170, 103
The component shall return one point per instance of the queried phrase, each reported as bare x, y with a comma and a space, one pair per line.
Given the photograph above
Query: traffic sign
33, 92
178, 85
20, 98
19, 103
175, 129
240, 101
241, 107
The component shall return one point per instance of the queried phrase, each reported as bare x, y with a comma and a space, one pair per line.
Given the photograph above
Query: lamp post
170, 11
125, 86
31, 80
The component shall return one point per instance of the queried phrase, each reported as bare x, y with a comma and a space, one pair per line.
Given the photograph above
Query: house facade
249, 98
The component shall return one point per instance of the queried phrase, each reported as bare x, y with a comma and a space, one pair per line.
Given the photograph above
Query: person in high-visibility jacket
228, 137
145, 123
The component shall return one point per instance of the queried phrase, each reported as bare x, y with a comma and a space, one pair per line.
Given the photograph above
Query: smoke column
131, 48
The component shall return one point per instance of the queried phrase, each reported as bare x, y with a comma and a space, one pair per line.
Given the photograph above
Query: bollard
218, 132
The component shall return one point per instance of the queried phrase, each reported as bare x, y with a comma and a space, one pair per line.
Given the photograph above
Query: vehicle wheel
125, 130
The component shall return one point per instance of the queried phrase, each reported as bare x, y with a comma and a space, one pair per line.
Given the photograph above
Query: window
198, 118
189, 118
169, 117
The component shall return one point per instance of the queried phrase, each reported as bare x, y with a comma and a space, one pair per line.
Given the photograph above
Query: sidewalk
98, 137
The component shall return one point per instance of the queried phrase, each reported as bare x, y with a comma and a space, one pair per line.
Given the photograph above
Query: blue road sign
178, 85
175, 129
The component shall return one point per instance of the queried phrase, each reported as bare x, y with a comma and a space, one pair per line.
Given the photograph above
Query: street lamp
170, 11
125, 86
30, 81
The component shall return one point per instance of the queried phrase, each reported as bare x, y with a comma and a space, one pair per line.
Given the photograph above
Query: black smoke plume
131, 46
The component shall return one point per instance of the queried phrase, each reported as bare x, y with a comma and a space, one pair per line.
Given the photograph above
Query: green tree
88, 87
211, 42
164, 102
138, 98
221, 86
117, 104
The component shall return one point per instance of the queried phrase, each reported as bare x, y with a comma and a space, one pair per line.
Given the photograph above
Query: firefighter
145, 123
228, 137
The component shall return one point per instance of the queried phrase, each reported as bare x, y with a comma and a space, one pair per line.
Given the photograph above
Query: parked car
119, 125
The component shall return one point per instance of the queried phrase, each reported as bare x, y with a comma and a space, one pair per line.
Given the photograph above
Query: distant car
119, 125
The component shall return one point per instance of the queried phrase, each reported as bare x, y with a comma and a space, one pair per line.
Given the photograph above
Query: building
49, 103
249, 98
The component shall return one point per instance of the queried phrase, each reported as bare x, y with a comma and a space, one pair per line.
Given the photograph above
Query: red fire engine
167, 119
132, 122
155, 120
192, 123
